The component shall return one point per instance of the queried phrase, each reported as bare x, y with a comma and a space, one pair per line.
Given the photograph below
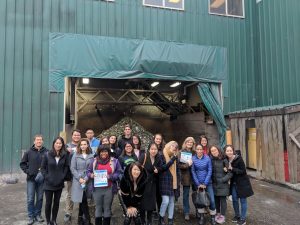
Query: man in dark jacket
31, 164
125, 138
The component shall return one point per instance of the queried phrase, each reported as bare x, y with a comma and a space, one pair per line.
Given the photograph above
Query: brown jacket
185, 169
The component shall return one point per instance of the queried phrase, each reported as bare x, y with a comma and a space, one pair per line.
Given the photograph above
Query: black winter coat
55, 173
130, 197
220, 178
149, 197
240, 178
123, 141
68, 177
31, 161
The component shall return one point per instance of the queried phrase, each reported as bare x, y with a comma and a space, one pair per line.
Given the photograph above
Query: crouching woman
132, 187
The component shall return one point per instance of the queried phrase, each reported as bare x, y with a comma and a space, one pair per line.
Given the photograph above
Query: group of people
145, 181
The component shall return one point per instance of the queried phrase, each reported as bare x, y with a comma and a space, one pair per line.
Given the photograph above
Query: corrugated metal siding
28, 108
279, 36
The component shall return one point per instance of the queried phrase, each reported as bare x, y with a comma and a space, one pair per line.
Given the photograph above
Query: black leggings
158, 197
221, 205
49, 199
149, 216
83, 208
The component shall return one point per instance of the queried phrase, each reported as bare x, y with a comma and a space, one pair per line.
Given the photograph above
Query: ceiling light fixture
175, 84
85, 80
154, 84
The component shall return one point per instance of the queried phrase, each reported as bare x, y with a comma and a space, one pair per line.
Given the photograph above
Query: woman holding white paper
185, 163
105, 171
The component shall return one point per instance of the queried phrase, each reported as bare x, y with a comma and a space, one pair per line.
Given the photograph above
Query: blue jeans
167, 202
186, 199
210, 190
236, 206
34, 198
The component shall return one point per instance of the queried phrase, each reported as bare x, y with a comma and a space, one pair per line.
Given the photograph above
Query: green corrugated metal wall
28, 108
279, 55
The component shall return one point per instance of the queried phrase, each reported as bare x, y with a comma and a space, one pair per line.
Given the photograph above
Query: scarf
103, 162
168, 155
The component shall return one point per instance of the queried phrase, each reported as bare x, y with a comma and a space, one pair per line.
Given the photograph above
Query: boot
87, 222
213, 220
161, 221
149, 221
80, 220
201, 219
106, 221
170, 221
98, 220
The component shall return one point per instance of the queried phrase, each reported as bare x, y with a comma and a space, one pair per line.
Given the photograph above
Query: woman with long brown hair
240, 185
220, 181
55, 166
79, 165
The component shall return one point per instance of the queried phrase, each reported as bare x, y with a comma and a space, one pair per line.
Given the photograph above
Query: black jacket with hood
55, 173
123, 141
31, 161
130, 197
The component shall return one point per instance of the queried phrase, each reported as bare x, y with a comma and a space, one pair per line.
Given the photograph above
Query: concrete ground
271, 205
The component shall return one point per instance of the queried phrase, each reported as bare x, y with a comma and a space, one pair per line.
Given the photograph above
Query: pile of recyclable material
118, 130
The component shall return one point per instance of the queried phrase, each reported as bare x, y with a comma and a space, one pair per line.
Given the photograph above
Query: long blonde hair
189, 139
168, 155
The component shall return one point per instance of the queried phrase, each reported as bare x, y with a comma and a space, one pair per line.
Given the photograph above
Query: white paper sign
185, 157
100, 178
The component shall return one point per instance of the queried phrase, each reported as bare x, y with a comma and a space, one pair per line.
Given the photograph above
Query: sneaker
39, 218
30, 221
221, 219
217, 219
235, 219
67, 217
187, 217
155, 215
242, 222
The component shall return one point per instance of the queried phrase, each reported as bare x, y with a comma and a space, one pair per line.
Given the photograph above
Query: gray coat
219, 177
79, 166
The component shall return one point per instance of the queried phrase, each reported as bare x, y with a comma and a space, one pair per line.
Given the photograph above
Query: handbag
200, 198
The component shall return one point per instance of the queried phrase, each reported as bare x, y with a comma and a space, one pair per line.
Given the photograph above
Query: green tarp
215, 110
75, 55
